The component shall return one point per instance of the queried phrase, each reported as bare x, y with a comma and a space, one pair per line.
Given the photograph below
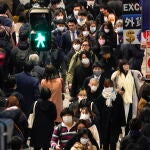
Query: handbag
31, 117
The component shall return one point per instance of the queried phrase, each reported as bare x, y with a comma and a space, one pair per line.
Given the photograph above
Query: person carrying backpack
21, 53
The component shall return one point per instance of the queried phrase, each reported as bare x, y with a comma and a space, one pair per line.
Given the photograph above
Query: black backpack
21, 57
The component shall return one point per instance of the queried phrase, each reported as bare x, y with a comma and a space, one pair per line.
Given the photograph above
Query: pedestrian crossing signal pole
40, 34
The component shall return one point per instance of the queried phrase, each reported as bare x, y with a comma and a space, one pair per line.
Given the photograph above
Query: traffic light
40, 40
40, 34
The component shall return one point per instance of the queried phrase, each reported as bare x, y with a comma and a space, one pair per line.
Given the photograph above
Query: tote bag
31, 117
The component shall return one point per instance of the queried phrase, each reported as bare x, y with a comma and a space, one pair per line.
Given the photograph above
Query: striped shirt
62, 134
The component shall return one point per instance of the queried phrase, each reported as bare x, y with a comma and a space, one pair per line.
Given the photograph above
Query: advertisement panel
132, 20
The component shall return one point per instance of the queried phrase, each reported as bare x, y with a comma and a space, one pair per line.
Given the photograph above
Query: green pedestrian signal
40, 33
40, 40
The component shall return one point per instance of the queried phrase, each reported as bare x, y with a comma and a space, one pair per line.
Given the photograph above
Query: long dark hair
121, 63
51, 72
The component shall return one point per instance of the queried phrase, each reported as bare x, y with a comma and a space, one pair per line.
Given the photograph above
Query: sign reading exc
132, 7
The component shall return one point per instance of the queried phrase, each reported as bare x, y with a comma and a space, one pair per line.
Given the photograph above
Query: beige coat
55, 86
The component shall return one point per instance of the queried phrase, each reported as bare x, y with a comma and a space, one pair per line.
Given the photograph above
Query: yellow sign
130, 34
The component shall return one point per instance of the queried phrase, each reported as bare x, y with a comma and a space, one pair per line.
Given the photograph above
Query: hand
121, 92
118, 73
69, 86
89, 144
58, 147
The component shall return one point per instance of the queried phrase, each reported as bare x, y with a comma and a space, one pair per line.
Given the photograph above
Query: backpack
7, 30
21, 58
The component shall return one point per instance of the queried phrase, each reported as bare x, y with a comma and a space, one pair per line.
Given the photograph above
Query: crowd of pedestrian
110, 99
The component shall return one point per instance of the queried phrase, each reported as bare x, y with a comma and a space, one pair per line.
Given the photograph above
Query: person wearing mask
28, 86
81, 72
75, 60
74, 105
69, 36
76, 47
85, 35
69, 5
55, 84
82, 19
107, 29
119, 31
89, 112
76, 9
111, 114
103, 15
83, 140
93, 28
129, 92
59, 14
57, 33
93, 89
98, 73
45, 115
64, 131
101, 41
107, 60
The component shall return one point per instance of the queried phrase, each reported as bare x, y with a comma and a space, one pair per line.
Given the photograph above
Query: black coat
101, 82
135, 137
28, 87
109, 66
80, 74
45, 114
111, 118
66, 42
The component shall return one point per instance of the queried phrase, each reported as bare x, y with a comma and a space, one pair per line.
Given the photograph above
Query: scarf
127, 82
110, 95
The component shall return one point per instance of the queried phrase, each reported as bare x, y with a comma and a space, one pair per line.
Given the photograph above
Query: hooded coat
45, 114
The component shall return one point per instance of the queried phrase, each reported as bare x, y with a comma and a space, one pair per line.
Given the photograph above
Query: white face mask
106, 30
90, 3
83, 140
67, 119
59, 18
109, 89
76, 47
75, 12
85, 116
81, 22
85, 61
61, 28
85, 33
119, 29
94, 88
92, 29
80, 98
